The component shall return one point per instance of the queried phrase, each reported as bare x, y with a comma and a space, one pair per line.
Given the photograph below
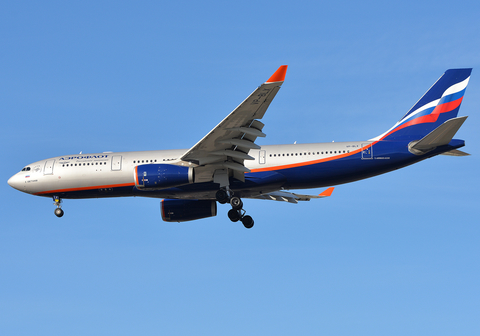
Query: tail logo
432, 110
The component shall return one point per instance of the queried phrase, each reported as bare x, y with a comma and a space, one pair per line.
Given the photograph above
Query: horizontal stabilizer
440, 136
455, 152
284, 196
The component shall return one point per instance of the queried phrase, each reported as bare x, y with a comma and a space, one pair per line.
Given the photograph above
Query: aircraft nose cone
15, 182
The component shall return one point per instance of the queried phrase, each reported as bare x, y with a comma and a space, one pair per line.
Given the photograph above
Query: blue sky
396, 254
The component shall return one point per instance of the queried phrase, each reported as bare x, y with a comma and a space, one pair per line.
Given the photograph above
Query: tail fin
438, 105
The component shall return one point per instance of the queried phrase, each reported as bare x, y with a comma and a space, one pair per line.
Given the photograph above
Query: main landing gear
236, 213
58, 211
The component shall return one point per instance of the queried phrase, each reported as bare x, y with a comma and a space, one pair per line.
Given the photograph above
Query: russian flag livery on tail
229, 163
437, 105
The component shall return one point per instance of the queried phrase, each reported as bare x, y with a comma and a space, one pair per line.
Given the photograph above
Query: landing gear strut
236, 213
58, 211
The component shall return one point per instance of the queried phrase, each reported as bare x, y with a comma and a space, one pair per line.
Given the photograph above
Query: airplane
227, 165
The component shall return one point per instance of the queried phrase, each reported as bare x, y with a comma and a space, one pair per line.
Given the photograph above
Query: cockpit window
26, 169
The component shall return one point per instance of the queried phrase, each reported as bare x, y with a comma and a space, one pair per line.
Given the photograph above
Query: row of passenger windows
311, 153
145, 161
151, 161
83, 164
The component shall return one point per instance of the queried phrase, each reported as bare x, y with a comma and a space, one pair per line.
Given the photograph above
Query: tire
236, 203
221, 196
247, 221
58, 212
234, 215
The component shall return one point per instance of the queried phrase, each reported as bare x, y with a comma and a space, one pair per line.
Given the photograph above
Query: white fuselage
108, 170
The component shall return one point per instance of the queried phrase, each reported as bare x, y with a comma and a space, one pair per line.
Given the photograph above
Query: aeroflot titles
84, 157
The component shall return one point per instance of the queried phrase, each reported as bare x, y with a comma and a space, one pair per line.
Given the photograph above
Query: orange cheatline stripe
279, 75
308, 163
300, 164
86, 188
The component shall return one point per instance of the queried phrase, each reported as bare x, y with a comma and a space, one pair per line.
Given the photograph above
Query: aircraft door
367, 151
262, 157
48, 170
117, 162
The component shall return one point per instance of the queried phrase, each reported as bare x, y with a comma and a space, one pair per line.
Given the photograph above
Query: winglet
279, 75
327, 192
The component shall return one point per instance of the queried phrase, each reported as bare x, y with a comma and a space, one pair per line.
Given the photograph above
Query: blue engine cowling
162, 176
176, 210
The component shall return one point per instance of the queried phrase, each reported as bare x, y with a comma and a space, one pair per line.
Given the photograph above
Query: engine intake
162, 176
174, 210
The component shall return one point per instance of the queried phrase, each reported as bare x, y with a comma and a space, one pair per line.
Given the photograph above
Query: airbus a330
228, 164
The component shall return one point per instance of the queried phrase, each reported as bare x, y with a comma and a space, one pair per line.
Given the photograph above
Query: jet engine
175, 210
162, 176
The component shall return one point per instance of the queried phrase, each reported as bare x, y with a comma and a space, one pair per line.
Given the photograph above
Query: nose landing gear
237, 213
58, 211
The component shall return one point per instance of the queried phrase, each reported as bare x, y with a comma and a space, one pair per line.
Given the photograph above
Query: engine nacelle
162, 176
176, 210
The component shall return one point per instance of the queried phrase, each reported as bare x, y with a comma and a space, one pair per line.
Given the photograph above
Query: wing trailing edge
226, 147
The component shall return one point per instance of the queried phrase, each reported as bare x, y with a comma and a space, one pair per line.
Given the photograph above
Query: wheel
234, 215
247, 221
221, 196
58, 212
236, 203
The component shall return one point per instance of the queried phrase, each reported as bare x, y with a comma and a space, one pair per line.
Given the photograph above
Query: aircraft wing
226, 147
284, 196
